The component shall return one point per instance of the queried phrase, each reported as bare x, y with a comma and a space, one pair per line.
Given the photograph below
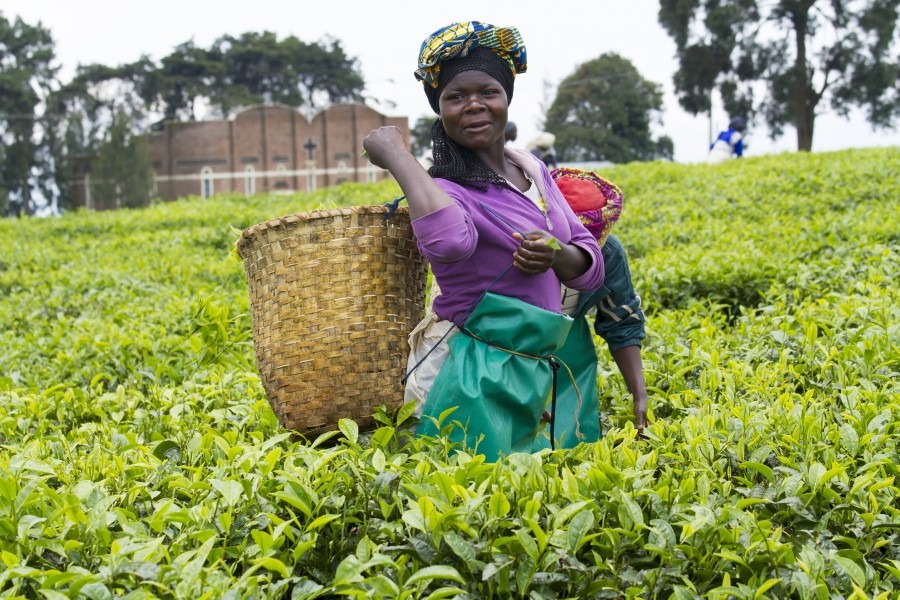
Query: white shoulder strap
529, 163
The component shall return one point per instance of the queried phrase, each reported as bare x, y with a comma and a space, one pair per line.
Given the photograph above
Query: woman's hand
539, 251
640, 414
386, 149
534, 254
384, 144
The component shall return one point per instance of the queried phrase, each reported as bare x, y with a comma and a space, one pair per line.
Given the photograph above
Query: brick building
260, 149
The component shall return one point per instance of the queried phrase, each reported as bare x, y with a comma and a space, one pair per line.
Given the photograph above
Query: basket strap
392, 207
500, 218
443, 337
427, 354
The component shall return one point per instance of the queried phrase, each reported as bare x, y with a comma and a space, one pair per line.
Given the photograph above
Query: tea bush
140, 458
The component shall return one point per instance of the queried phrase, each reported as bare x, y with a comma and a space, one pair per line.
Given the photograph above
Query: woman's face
474, 110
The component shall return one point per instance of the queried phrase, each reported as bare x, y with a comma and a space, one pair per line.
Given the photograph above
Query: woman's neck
495, 159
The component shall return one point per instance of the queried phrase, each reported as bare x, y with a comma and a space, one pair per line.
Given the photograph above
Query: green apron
580, 355
499, 394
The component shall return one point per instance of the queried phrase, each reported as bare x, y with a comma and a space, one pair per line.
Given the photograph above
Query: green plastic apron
576, 415
498, 376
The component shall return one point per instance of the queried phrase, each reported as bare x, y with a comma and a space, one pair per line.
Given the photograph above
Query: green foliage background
139, 457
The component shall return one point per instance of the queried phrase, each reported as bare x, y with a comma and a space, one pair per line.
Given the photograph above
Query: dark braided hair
459, 164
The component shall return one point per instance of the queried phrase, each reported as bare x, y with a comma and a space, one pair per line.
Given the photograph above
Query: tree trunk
27, 205
805, 126
805, 98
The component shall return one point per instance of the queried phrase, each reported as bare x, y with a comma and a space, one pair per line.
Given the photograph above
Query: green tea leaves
141, 457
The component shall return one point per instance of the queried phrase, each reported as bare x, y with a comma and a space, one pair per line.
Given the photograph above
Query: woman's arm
620, 322
628, 359
385, 148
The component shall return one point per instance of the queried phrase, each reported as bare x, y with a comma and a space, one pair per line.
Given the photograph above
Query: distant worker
511, 132
542, 147
730, 142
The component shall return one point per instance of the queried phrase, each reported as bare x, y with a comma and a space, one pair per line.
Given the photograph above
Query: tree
258, 68
123, 173
805, 53
603, 111
325, 73
27, 75
421, 135
183, 77
79, 115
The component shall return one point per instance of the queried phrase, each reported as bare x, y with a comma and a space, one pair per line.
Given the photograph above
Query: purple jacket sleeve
447, 235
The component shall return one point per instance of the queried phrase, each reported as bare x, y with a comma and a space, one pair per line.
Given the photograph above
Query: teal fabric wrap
576, 421
499, 395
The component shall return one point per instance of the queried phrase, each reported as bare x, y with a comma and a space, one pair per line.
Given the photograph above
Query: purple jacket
468, 247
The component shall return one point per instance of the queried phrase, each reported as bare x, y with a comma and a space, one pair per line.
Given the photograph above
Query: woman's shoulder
454, 190
449, 186
461, 192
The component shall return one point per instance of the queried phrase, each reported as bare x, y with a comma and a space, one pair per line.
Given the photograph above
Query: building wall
261, 149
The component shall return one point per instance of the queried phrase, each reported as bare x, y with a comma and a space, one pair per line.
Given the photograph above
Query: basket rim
316, 214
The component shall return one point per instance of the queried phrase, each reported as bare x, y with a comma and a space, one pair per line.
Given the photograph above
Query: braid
458, 164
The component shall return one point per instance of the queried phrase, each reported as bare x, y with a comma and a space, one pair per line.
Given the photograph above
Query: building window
281, 178
206, 182
249, 181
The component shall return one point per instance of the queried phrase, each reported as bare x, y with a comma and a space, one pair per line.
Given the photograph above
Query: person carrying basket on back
500, 239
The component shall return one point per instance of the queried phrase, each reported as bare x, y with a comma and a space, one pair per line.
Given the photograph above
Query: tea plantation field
139, 457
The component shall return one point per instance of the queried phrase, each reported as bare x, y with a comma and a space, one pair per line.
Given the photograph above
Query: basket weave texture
333, 297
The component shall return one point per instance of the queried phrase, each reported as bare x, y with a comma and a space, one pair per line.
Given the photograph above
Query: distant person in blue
730, 143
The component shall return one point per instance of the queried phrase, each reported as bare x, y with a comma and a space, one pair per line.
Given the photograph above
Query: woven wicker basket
333, 297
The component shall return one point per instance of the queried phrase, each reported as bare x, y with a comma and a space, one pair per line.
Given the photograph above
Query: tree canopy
253, 68
122, 173
27, 72
786, 60
420, 135
604, 111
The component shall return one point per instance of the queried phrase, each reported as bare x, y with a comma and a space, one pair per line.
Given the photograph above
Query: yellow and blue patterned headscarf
458, 41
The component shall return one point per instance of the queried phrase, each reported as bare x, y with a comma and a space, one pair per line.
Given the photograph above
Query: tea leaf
435, 572
349, 428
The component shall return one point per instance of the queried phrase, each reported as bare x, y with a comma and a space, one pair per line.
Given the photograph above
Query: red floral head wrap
595, 201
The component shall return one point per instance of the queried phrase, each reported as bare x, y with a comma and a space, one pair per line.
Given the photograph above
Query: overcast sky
384, 36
